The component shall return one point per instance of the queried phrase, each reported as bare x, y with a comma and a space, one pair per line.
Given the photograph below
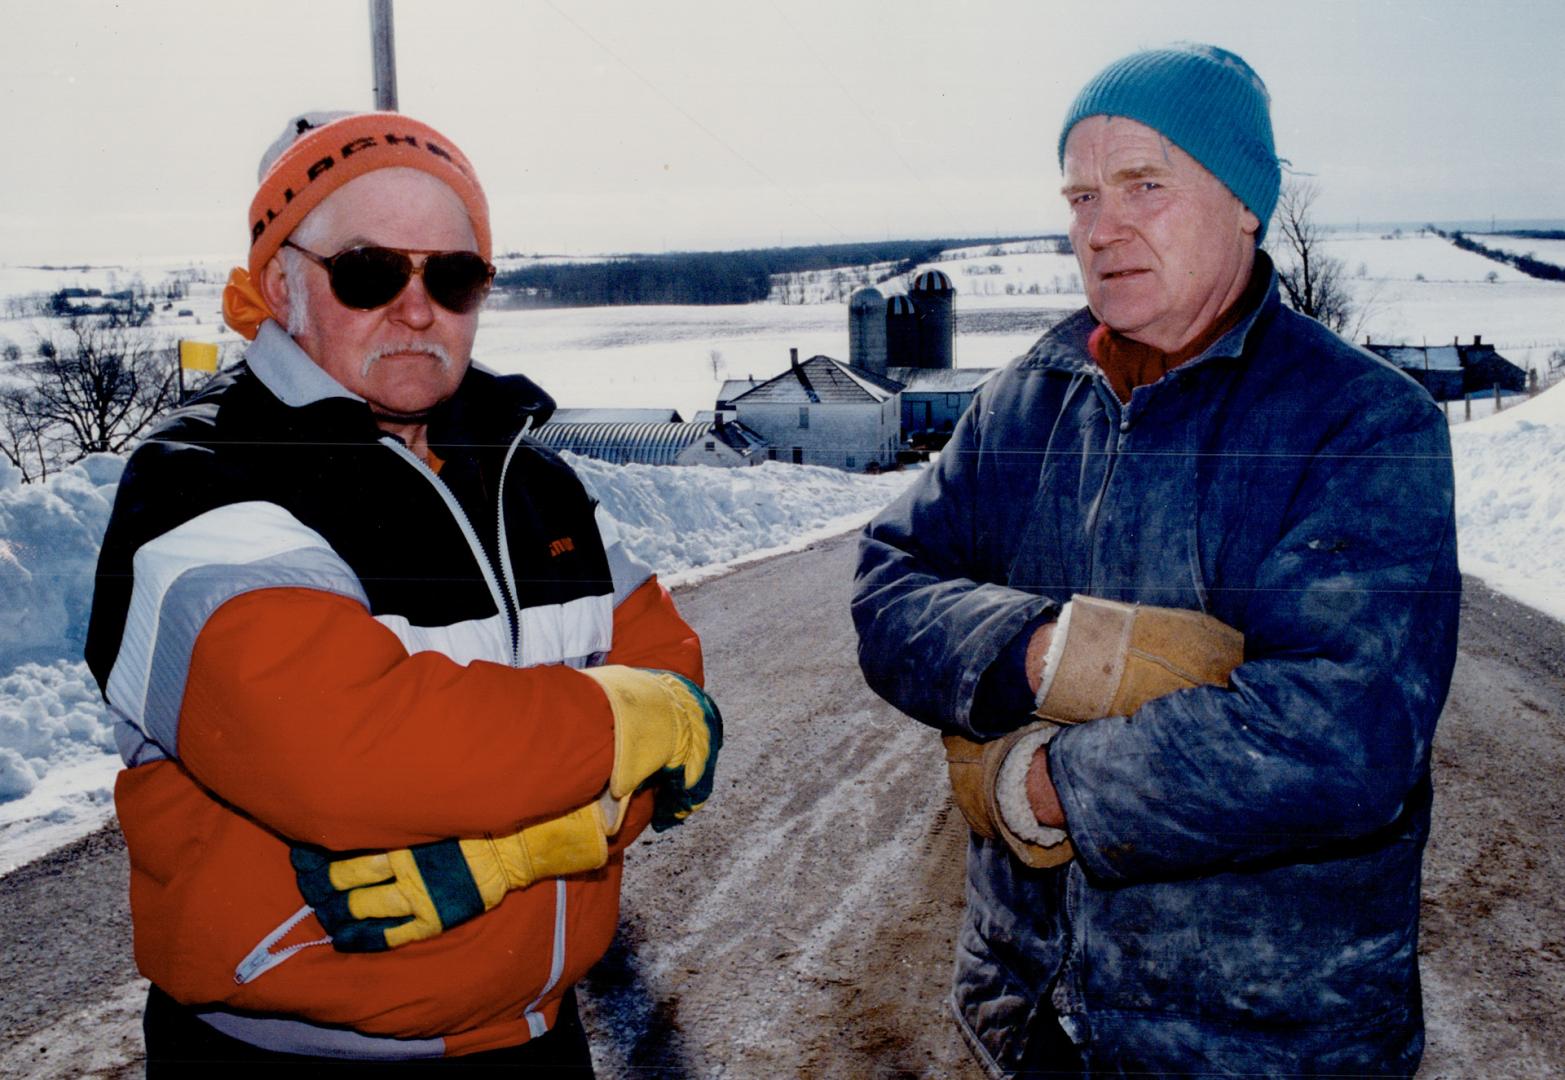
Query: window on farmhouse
804, 416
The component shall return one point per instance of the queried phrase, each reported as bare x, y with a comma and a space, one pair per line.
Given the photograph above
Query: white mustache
428, 348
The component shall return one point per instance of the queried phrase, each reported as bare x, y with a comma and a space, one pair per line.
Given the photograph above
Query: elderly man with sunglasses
391, 695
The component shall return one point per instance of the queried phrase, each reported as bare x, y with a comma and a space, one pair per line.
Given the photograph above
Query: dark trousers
181, 1045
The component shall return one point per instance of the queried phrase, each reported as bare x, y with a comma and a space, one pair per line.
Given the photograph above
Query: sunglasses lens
457, 280
368, 277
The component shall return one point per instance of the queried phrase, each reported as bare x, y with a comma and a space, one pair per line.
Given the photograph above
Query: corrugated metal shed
616, 416
644, 444
825, 380
656, 444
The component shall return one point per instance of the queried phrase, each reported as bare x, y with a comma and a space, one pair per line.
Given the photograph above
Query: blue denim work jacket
1246, 887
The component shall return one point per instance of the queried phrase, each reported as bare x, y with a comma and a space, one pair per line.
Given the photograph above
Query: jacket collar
287, 370
1064, 347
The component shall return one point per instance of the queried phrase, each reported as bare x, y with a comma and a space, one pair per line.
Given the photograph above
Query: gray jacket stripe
629, 572
299, 1037
185, 575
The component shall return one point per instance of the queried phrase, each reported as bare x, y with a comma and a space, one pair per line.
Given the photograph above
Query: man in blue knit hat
1182, 594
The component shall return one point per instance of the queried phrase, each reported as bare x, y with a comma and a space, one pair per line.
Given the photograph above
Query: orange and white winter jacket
306, 634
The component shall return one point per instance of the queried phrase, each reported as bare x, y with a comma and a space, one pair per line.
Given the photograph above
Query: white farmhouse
823, 412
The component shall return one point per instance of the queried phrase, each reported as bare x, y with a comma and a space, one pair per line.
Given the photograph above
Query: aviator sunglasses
365, 278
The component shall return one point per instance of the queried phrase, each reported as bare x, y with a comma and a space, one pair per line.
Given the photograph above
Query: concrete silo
867, 330
933, 295
901, 332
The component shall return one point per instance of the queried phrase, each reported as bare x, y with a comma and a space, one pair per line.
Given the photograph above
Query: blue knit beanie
1209, 103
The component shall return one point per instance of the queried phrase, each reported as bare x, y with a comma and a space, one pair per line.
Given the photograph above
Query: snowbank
680, 519
56, 742
49, 536
1510, 500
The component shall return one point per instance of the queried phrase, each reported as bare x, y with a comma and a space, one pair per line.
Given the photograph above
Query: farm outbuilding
1450, 371
1484, 369
1437, 368
933, 399
616, 416
726, 445
823, 412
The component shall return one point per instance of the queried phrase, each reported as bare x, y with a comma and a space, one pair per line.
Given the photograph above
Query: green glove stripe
364, 935
449, 881
672, 801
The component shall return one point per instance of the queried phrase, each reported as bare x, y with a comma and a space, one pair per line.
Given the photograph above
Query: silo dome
932, 281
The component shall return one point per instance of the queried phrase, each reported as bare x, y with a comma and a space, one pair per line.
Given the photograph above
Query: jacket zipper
502, 547
536, 1025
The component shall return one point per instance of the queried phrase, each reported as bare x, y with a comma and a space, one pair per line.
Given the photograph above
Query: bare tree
1314, 283
95, 391
26, 439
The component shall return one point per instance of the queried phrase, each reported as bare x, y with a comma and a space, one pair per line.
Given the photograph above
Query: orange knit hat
318, 158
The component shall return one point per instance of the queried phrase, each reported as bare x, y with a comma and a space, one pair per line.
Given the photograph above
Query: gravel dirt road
802, 924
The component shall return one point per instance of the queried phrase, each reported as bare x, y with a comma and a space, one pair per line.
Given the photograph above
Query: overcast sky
135, 127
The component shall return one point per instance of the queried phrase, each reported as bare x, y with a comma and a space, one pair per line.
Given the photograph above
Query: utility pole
383, 47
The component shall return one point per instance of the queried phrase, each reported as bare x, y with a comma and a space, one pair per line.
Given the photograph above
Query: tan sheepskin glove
1106, 659
1109, 658
987, 779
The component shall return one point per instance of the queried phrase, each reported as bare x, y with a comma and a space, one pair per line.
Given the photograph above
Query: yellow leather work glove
1110, 658
666, 730
387, 899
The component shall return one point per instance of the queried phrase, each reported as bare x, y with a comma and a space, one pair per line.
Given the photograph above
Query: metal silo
867, 330
932, 295
901, 332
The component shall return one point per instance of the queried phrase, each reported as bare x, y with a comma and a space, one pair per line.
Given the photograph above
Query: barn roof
645, 444
823, 380
940, 380
732, 388
1421, 357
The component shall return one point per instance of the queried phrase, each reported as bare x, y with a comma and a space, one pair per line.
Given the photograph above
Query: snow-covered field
56, 760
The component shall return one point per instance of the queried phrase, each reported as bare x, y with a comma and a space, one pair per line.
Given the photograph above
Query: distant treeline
1535, 234
1532, 267
709, 277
